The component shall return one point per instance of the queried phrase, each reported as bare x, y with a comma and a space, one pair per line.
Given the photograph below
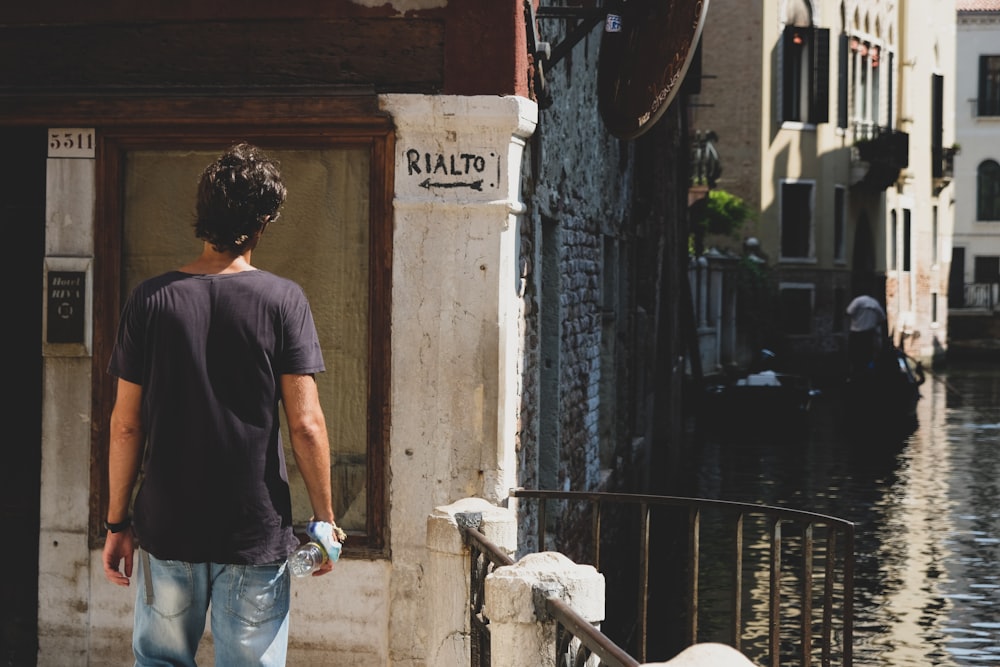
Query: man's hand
326, 567
329, 536
117, 548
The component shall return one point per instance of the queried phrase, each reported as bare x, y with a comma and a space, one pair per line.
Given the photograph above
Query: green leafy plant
724, 213
720, 213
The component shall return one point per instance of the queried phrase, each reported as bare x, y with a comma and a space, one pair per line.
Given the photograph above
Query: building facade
832, 120
975, 259
495, 285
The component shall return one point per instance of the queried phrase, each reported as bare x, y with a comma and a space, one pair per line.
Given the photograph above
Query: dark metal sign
65, 307
646, 49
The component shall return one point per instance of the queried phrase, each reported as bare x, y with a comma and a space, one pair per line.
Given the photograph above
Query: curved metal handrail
776, 516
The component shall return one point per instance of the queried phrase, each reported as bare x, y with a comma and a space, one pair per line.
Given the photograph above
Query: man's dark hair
238, 195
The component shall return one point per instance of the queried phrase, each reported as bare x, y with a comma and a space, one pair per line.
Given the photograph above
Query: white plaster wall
64, 606
927, 47
453, 327
979, 137
455, 318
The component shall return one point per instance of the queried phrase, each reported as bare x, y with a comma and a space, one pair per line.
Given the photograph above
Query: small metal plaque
66, 303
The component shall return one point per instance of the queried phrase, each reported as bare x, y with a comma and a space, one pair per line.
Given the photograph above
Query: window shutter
782, 81
891, 87
937, 125
843, 61
820, 97
983, 75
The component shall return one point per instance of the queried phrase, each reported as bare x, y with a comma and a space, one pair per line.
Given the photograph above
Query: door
956, 279
332, 238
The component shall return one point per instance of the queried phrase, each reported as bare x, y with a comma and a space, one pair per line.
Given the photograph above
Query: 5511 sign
71, 142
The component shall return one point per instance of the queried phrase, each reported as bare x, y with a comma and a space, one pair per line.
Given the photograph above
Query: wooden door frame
313, 130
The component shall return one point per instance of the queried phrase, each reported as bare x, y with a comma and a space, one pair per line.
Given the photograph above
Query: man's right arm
124, 450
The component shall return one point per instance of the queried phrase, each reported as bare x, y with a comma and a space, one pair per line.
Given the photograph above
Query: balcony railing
886, 151
943, 165
981, 295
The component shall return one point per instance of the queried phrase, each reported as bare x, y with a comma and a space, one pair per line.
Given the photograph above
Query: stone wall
578, 192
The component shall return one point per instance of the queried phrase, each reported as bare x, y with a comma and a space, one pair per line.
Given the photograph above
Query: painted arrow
475, 185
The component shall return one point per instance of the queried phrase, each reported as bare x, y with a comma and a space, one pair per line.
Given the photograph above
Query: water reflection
927, 509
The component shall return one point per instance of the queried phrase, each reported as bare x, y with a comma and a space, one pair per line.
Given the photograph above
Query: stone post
521, 632
448, 574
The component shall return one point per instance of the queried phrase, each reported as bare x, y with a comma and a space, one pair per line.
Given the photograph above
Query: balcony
878, 158
943, 165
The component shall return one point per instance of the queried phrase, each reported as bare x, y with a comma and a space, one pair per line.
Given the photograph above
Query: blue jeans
249, 606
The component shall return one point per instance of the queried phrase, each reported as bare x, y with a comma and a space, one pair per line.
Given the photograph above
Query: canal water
926, 508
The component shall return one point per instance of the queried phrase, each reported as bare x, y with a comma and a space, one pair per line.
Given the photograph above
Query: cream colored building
976, 252
833, 120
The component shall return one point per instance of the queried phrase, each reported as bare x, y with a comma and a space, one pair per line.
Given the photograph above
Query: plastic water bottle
325, 545
306, 559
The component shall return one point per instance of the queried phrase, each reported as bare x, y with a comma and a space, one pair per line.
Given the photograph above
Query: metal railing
589, 641
821, 550
484, 557
981, 295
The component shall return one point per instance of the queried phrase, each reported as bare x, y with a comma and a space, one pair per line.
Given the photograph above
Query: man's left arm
310, 444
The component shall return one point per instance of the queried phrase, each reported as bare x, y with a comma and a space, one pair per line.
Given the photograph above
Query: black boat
881, 398
763, 402
882, 387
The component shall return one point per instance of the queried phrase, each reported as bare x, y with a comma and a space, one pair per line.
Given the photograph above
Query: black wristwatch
122, 525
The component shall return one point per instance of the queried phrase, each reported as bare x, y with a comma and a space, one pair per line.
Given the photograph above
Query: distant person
203, 356
867, 338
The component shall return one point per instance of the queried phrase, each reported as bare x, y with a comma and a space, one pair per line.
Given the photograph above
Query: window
934, 235
985, 276
805, 75
839, 222
334, 239
988, 191
907, 239
797, 203
989, 86
796, 308
866, 68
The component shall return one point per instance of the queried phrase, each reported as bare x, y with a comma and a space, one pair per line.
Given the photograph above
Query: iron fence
981, 295
804, 555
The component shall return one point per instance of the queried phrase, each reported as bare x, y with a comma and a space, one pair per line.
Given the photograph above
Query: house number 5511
71, 142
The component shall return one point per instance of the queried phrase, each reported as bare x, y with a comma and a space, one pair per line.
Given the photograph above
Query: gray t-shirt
209, 351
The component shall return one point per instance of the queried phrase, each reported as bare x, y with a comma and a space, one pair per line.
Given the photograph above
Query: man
203, 355
867, 338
